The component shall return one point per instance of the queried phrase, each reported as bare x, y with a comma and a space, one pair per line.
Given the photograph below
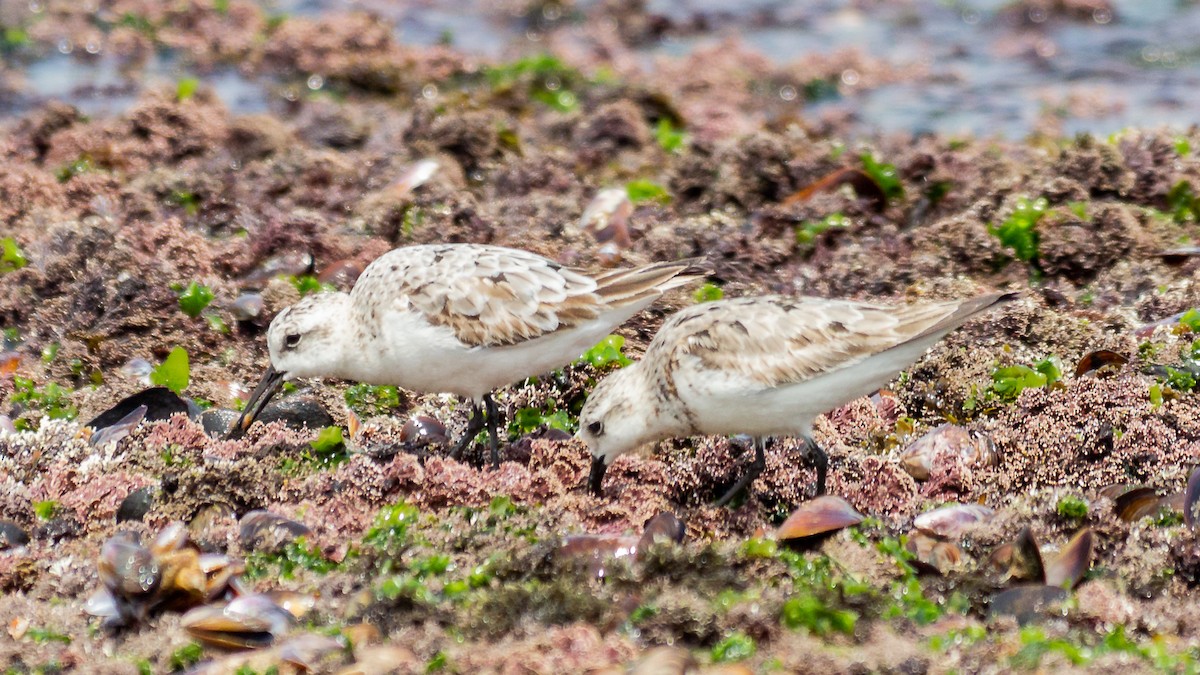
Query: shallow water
989, 72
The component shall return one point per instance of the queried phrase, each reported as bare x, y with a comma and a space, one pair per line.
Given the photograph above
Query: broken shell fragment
263, 530
585, 545
308, 650
120, 429
246, 622
296, 604
382, 659
976, 448
248, 306
932, 554
414, 177
1068, 568
606, 217
952, 520
598, 550
818, 516
664, 661
288, 263
341, 274
6, 425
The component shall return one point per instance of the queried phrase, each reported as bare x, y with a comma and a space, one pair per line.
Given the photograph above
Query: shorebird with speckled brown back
764, 366
464, 319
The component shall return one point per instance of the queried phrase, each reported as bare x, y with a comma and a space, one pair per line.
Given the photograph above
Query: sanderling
764, 366
464, 319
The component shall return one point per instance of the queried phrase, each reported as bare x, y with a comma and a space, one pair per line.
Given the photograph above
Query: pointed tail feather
627, 286
966, 310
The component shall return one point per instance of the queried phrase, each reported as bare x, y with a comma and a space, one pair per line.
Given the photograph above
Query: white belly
416, 356
721, 405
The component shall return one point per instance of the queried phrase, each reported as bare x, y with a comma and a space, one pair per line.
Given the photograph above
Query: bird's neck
666, 416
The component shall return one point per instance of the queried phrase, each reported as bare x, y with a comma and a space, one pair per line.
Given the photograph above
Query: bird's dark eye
291, 341
596, 428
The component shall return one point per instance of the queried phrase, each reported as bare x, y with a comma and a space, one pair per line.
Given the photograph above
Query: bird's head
620, 414
307, 339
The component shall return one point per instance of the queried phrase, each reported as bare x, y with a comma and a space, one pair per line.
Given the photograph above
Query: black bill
271, 381
597, 475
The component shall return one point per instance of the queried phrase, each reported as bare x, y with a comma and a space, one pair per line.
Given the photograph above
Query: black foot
493, 419
820, 462
474, 426
756, 467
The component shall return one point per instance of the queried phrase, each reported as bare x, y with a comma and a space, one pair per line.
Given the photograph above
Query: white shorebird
459, 318
763, 366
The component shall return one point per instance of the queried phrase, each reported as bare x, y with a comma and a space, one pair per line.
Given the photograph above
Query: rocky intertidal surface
1020, 498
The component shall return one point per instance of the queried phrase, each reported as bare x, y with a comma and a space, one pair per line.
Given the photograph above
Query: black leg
474, 426
493, 419
820, 462
756, 467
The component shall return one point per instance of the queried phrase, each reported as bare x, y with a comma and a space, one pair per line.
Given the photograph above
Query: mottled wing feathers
489, 295
777, 340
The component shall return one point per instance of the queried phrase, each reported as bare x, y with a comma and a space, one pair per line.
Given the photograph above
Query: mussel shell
1136, 503
172, 538
952, 520
597, 551
183, 581
818, 516
12, 536
249, 621
297, 411
422, 430
127, 568
260, 529
975, 447
136, 504
341, 274
306, 651
663, 527
216, 421
1072, 563
102, 603
1100, 362
1191, 495
1026, 563
600, 545
161, 403
1028, 603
